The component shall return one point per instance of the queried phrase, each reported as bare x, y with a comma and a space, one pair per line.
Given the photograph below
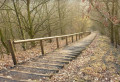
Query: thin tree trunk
60, 18
3, 42
20, 25
48, 22
31, 31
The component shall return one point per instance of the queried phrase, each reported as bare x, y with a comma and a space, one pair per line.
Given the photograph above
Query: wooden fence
12, 43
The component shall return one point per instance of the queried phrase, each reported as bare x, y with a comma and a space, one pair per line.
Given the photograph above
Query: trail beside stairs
41, 68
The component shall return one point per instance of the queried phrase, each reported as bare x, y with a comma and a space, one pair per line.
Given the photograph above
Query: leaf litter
100, 62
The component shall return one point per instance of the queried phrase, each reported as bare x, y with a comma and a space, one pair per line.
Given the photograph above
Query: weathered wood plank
12, 51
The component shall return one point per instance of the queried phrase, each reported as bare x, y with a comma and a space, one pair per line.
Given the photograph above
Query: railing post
42, 48
12, 51
79, 36
57, 41
82, 35
66, 41
76, 37
85, 34
72, 39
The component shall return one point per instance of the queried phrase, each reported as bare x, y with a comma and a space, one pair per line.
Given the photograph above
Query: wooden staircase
44, 67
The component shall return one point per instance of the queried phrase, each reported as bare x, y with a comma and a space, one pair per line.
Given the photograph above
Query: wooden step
36, 70
78, 50
64, 56
74, 53
73, 47
45, 64
59, 58
21, 75
61, 61
53, 61
42, 68
70, 56
52, 65
8, 79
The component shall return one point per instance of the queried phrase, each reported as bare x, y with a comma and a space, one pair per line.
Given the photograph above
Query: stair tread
63, 55
49, 64
58, 57
35, 70
52, 65
52, 61
18, 75
38, 67
8, 79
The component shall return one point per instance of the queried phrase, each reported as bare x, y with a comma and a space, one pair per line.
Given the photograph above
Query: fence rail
13, 42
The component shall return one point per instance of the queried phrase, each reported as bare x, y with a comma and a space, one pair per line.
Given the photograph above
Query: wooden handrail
45, 38
12, 43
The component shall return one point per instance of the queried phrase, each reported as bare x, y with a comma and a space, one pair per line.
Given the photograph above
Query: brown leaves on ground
100, 62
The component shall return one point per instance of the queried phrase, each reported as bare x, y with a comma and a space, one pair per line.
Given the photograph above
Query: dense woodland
28, 19
105, 13
77, 56
24, 19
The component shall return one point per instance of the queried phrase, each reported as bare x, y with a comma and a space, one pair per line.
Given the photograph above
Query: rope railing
13, 42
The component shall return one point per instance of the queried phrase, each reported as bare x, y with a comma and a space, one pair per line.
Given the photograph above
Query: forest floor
100, 62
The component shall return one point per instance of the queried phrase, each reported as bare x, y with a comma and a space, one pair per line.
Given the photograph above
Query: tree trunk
31, 31
112, 33
48, 22
20, 25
